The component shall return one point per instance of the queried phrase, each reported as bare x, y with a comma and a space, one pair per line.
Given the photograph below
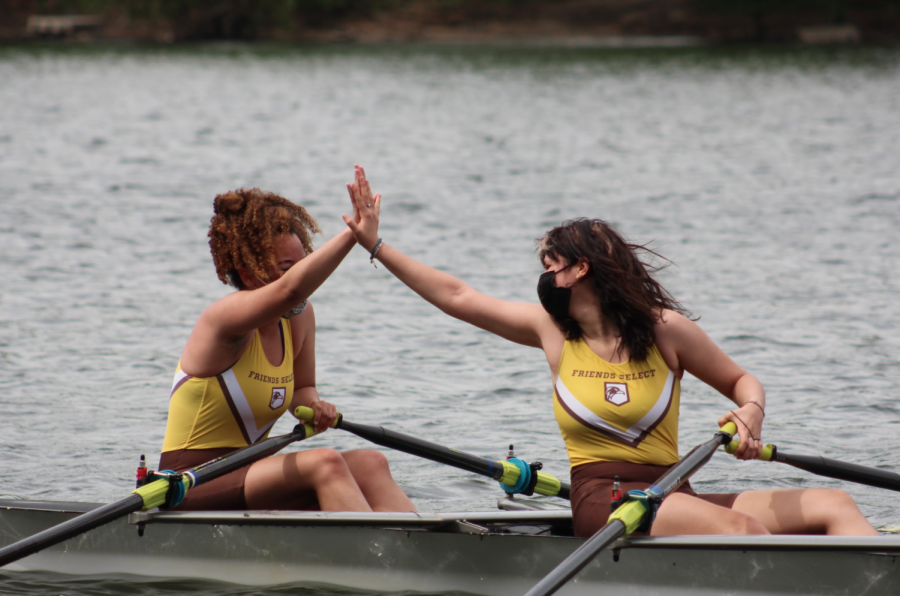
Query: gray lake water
771, 177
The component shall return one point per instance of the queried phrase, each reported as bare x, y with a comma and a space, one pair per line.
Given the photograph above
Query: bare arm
516, 321
225, 327
684, 342
305, 392
239, 313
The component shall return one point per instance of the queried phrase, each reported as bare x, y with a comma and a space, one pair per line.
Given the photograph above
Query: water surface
771, 177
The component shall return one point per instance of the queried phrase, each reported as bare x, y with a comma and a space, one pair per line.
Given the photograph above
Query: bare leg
682, 514
285, 482
373, 475
805, 511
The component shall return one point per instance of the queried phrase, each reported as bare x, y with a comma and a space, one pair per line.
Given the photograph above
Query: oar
831, 468
505, 472
157, 493
633, 514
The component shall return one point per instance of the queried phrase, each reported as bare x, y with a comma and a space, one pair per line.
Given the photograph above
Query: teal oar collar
527, 478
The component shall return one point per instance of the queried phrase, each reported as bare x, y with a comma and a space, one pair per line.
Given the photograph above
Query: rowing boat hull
490, 553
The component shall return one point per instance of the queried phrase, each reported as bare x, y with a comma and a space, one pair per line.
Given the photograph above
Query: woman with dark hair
251, 357
617, 345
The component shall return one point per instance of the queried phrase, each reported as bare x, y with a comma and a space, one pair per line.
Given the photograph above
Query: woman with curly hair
617, 345
251, 357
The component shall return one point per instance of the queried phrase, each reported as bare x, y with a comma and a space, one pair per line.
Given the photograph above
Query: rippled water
770, 176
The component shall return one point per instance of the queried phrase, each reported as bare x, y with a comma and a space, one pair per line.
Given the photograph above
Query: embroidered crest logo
617, 393
278, 395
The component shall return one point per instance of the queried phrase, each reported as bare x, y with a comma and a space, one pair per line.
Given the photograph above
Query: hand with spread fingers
366, 207
748, 419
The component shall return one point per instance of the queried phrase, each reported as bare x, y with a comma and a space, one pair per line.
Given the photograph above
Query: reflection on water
770, 176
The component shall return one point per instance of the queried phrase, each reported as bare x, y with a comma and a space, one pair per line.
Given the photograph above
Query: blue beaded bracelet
374, 252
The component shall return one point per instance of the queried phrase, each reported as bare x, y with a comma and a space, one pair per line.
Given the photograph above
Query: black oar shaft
240, 458
631, 510
436, 453
566, 570
841, 470
73, 527
135, 502
831, 468
414, 446
690, 463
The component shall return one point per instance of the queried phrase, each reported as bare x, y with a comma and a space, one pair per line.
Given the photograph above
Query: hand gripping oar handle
831, 468
501, 471
631, 515
152, 494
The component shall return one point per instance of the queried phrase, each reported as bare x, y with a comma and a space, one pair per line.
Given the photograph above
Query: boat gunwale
343, 518
49, 506
886, 545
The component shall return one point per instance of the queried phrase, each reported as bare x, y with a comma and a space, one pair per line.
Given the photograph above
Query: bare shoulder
303, 328
671, 323
553, 339
671, 330
209, 350
213, 321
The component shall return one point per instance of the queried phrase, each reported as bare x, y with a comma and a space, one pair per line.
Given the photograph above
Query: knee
837, 499
368, 460
330, 464
742, 524
832, 503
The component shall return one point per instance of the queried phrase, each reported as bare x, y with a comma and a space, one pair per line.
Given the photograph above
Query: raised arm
224, 329
240, 313
520, 322
516, 321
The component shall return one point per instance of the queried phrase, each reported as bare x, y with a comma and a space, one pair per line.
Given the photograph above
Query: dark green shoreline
459, 21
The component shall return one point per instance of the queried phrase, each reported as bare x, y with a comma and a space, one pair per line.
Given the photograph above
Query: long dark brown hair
629, 297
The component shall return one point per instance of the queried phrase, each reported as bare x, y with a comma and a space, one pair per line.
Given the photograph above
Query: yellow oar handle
765, 454
729, 428
546, 484
308, 414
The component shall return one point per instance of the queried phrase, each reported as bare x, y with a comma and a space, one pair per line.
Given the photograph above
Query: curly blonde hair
243, 230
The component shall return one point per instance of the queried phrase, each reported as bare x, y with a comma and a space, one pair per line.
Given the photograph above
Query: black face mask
554, 300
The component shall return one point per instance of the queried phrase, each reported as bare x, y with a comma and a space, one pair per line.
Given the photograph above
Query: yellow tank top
616, 412
234, 409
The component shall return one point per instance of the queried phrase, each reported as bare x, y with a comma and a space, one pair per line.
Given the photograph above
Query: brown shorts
592, 486
223, 493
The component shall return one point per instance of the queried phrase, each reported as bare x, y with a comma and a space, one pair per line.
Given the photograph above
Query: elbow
746, 384
457, 296
293, 296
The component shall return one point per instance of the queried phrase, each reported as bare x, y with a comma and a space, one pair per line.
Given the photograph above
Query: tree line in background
263, 19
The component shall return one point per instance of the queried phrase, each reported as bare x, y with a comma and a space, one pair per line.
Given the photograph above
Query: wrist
755, 404
374, 251
369, 243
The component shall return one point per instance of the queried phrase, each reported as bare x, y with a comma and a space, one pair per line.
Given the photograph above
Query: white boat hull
490, 553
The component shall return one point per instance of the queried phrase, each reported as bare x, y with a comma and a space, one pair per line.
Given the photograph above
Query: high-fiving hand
364, 223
